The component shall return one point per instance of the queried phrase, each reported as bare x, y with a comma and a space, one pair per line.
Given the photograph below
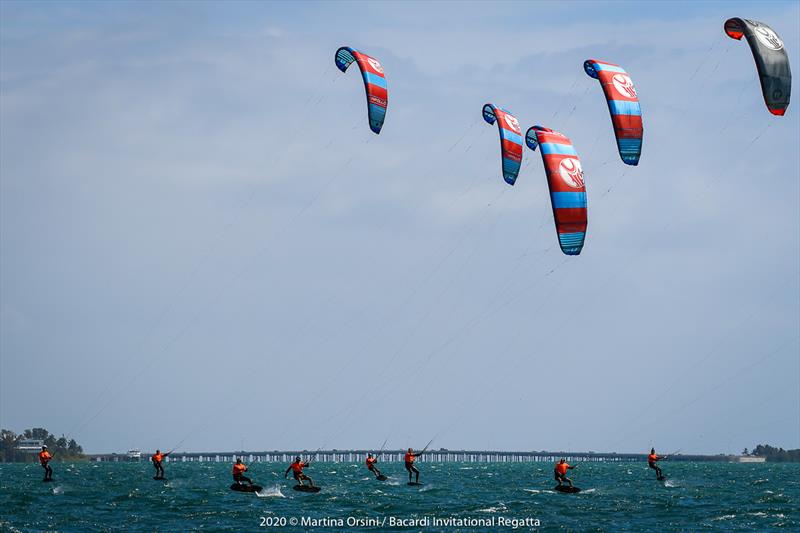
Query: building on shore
746, 459
30, 445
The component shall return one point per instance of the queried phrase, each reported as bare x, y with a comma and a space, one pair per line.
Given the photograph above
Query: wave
496, 509
270, 492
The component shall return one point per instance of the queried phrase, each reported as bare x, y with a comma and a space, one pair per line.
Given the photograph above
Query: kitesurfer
371, 465
651, 462
44, 459
409, 461
560, 472
157, 458
239, 468
297, 471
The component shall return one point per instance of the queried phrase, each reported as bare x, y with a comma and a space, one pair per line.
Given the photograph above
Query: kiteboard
245, 488
414, 483
381, 478
306, 488
566, 489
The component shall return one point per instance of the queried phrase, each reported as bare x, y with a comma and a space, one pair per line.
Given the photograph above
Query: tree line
775, 455
61, 447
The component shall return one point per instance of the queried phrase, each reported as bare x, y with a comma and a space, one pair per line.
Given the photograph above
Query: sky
203, 246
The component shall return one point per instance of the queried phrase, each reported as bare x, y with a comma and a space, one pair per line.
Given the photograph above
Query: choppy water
616, 497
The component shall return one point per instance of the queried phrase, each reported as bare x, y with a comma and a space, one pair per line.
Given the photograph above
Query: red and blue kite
623, 104
374, 83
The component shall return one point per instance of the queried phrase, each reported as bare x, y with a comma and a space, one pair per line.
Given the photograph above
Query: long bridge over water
441, 455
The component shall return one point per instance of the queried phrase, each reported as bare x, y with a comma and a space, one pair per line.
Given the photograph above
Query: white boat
134, 455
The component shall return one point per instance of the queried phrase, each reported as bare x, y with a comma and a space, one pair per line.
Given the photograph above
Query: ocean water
491, 496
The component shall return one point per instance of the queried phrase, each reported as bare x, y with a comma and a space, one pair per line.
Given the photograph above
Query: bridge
391, 456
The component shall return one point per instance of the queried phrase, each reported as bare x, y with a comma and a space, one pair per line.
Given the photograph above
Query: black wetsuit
48, 472
239, 478
44, 460
374, 469
412, 469
159, 468
655, 467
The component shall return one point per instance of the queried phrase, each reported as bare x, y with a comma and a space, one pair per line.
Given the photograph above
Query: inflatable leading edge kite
623, 104
374, 83
567, 188
771, 59
510, 140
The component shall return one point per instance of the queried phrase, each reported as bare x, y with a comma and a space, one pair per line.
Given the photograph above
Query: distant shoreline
440, 455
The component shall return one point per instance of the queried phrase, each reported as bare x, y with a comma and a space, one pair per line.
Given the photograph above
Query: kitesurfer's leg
414, 468
408, 468
657, 469
568, 481
558, 478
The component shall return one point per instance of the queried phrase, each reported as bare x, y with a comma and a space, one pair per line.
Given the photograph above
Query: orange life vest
157, 457
297, 467
652, 458
409, 458
239, 468
44, 457
561, 468
371, 461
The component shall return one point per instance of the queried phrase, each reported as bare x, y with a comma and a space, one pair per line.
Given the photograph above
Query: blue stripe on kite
624, 107
567, 200
377, 111
376, 115
374, 79
343, 59
630, 150
609, 68
557, 148
511, 136
571, 239
571, 243
630, 145
511, 165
